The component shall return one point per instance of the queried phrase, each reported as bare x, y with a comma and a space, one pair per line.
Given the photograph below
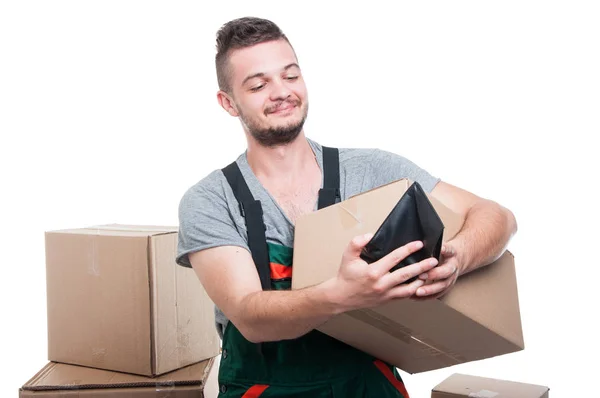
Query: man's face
268, 92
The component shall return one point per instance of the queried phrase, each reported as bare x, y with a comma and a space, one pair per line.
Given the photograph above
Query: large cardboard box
467, 386
58, 380
478, 319
118, 301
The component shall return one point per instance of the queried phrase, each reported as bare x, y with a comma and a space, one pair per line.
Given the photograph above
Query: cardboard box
118, 301
460, 385
57, 380
479, 318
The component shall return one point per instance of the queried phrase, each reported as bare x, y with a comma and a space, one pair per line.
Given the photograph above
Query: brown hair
241, 33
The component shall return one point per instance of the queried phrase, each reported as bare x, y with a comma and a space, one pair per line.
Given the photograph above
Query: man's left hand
440, 279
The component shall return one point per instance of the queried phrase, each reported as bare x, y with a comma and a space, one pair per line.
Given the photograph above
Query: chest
297, 201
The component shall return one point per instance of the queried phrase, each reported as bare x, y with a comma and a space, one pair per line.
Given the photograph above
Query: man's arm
484, 236
230, 278
487, 229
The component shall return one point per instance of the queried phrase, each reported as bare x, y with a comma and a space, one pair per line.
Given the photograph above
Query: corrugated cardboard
118, 301
478, 319
461, 385
57, 380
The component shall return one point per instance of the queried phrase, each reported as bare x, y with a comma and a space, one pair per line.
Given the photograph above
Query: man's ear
227, 103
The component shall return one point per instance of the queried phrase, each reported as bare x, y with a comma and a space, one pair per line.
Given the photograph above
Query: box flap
481, 387
120, 230
58, 376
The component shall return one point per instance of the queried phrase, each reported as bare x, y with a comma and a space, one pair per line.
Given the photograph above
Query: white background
108, 114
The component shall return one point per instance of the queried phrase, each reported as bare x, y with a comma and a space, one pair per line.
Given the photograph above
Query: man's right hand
359, 284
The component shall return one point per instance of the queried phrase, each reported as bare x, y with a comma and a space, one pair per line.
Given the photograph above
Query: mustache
275, 108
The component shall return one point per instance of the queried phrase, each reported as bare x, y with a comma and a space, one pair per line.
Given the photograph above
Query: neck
283, 162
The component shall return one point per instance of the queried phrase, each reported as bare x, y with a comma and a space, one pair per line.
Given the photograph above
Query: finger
443, 271
405, 290
426, 298
403, 274
433, 288
357, 244
447, 250
388, 262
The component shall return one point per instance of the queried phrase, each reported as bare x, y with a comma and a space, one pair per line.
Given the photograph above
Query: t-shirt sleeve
204, 222
387, 167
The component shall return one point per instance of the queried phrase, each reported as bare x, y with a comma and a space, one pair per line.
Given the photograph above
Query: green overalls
314, 365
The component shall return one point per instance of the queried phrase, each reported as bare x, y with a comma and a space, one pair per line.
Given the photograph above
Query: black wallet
413, 218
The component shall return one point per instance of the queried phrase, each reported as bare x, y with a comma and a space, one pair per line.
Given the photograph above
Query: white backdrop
108, 114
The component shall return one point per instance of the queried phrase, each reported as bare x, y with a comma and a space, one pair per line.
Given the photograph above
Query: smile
283, 109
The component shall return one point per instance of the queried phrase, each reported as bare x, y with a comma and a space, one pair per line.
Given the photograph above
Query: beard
274, 136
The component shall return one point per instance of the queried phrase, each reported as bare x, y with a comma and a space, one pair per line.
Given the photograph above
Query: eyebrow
260, 74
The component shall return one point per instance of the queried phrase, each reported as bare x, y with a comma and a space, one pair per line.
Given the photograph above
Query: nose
280, 90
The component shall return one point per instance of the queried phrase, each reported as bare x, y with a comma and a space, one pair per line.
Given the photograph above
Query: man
270, 345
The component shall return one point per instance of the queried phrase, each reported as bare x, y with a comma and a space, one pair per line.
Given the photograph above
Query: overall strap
253, 214
331, 178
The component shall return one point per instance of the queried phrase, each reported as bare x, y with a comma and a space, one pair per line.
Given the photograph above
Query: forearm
484, 236
282, 315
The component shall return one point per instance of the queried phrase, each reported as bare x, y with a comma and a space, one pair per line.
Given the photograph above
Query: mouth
283, 109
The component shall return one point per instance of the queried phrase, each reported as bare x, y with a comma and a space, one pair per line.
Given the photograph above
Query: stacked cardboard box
468, 386
57, 380
121, 314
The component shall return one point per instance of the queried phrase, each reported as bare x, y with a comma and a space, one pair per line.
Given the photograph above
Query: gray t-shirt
209, 214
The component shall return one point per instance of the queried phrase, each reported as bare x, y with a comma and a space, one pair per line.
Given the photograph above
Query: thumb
447, 250
358, 243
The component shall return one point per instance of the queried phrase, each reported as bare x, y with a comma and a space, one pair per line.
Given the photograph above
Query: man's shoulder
377, 156
348, 154
357, 154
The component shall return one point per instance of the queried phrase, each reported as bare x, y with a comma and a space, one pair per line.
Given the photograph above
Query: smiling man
237, 232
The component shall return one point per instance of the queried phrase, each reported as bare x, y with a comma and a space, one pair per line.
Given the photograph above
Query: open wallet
412, 218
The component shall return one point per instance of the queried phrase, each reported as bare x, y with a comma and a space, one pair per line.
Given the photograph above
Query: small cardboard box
118, 301
479, 318
58, 380
467, 386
